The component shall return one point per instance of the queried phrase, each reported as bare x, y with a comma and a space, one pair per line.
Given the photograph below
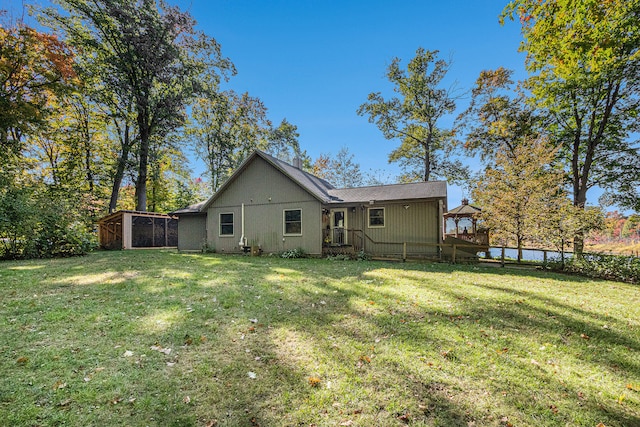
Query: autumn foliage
35, 68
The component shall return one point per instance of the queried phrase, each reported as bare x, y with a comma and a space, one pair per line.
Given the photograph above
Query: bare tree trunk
120, 168
143, 166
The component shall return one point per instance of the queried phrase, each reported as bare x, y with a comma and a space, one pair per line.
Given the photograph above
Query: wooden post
404, 251
453, 254
544, 256
502, 257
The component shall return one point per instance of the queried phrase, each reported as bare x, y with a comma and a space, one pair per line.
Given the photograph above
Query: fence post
544, 256
404, 251
453, 254
502, 257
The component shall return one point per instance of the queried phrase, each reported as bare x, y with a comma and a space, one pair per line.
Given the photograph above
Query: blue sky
315, 62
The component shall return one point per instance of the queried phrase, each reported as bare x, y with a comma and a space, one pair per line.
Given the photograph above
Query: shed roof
116, 214
191, 209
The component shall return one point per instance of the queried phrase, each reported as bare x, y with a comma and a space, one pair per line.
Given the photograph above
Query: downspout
364, 236
243, 240
441, 228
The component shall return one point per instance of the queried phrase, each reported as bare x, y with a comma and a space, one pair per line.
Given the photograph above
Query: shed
132, 229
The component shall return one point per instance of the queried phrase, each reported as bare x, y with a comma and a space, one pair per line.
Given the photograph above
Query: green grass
85, 341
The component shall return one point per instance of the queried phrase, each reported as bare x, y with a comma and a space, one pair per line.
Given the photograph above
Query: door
338, 224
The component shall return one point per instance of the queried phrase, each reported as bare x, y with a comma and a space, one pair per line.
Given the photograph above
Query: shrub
610, 267
208, 248
41, 225
294, 253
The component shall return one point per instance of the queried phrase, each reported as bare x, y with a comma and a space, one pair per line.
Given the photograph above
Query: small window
376, 217
226, 224
293, 222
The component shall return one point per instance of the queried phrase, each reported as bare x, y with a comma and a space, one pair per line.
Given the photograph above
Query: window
226, 224
376, 217
293, 222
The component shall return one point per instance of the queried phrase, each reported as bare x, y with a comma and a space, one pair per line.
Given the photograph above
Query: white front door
338, 224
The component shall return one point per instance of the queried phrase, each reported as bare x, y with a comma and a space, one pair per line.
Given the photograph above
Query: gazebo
462, 222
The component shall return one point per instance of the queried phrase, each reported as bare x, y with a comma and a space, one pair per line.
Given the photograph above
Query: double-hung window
376, 217
226, 224
292, 222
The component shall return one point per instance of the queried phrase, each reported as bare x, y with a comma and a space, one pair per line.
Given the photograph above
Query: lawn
163, 338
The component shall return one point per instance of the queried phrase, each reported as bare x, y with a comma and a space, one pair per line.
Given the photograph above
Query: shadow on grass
391, 344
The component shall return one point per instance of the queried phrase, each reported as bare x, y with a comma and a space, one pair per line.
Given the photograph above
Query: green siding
418, 224
191, 232
265, 192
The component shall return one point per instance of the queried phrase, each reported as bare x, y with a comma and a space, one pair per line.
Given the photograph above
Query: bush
294, 253
41, 225
58, 240
610, 267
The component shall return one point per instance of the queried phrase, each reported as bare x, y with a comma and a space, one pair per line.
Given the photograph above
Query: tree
498, 117
410, 156
520, 192
631, 227
35, 69
584, 62
283, 141
413, 116
340, 170
151, 52
226, 128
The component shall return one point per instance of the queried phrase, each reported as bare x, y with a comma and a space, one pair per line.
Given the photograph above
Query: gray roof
191, 209
327, 193
318, 187
465, 209
382, 193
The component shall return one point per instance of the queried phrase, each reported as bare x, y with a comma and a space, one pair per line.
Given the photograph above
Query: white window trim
384, 218
220, 224
284, 222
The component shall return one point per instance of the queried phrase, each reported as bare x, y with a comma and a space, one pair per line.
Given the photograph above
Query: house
131, 229
274, 206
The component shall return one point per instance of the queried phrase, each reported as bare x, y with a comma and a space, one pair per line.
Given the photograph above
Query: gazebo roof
463, 210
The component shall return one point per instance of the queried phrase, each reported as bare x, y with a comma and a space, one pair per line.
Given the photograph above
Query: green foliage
341, 169
611, 267
36, 223
35, 68
413, 116
151, 54
498, 117
17, 221
208, 248
583, 59
522, 196
283, 141
293, 253
226, 127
